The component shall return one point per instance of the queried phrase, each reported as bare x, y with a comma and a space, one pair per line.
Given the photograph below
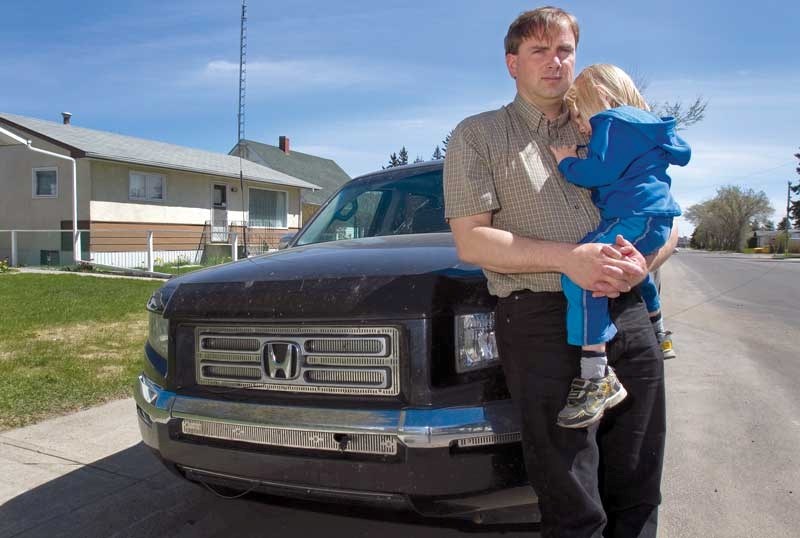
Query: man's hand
562, 152
607, 270
632, 277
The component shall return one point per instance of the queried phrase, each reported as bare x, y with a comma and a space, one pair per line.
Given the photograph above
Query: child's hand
562, 152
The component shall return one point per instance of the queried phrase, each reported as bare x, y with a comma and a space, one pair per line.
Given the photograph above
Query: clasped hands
606, 270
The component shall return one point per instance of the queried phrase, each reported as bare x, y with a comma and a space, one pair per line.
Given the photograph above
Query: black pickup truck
357, 365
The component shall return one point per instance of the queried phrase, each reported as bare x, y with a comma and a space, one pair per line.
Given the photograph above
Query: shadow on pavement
131, 494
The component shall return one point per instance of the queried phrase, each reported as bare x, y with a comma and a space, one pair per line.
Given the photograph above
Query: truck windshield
392, 206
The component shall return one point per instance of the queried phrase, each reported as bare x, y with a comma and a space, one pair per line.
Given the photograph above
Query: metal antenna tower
242, 73
240, 136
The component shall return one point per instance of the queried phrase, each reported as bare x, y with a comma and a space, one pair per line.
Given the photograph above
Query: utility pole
788, 219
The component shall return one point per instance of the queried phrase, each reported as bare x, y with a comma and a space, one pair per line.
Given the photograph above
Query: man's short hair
540, 23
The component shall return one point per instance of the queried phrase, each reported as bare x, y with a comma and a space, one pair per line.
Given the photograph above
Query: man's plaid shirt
500, 162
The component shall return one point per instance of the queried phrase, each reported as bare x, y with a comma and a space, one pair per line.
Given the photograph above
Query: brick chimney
283, 143
66, 116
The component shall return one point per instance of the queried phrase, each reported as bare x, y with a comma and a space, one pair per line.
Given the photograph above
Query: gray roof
111, 146
320, 171
7, 138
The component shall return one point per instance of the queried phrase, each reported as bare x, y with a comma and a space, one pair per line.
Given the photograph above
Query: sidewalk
36, 270
88, 474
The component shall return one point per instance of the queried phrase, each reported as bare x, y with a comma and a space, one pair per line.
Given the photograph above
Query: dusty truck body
357, 365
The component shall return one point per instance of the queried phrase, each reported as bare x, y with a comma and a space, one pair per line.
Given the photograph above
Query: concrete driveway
89, 475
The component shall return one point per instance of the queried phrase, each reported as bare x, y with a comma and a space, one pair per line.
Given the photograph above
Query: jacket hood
660, 131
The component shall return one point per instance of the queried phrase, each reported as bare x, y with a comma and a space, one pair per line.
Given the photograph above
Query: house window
268, 208
220, 196
45, 182
149, 187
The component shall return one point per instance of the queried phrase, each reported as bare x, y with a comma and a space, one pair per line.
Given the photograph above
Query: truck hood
392, 277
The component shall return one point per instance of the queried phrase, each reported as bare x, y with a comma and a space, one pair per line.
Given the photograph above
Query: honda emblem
282, 360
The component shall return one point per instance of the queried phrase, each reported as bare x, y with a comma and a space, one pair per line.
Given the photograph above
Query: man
514, 215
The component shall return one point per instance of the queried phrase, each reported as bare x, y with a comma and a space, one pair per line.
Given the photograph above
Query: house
323, 172
770, 238
126, 187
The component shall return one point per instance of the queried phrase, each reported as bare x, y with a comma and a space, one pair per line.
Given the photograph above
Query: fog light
476, 347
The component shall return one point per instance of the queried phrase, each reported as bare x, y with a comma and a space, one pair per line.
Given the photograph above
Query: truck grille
324, 360
361, 443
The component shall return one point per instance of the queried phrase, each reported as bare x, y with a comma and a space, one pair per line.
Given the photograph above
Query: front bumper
446, 461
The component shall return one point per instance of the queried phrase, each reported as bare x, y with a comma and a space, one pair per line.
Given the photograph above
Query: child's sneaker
589, 398
665, 341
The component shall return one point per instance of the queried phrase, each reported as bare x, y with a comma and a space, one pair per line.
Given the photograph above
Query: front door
219, 214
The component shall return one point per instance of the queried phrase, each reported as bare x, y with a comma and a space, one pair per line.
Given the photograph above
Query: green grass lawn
67, 342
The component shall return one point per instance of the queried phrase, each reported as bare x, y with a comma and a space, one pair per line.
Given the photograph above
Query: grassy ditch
67, 342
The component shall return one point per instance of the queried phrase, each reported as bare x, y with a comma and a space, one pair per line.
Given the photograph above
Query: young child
628, 154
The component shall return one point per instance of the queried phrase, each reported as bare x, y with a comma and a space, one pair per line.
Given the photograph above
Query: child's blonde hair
603, 86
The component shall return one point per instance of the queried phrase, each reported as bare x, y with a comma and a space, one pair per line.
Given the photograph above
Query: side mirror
285, 240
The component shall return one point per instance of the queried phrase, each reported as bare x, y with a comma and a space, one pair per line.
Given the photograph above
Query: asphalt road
731, 470
733, 463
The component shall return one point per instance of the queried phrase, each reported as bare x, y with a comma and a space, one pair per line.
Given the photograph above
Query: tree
398, 159
393, 161
685, 116
446, 141
783, 225
403, 156
768, 225
419, 159
722, 222
794, 206
437, 154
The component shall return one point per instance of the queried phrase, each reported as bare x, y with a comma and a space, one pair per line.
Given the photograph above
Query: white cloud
739, 89
339, 153
714, 164
363, 145
293, 75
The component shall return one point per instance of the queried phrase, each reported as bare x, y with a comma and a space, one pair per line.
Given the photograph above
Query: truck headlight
158, 325
476, 347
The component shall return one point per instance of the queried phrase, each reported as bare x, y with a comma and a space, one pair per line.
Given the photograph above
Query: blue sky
356, 80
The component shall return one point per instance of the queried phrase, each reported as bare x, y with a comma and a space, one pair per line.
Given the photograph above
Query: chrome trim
153, 400
363, 361
380, 444
414, 428
493, 439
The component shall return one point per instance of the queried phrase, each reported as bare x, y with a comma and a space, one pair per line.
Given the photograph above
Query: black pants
599, 481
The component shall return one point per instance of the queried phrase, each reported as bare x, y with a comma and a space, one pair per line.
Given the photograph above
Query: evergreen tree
393, 161
768, 225
783, 225
794, 206
445, 142
437, 154
419, 159
403, 156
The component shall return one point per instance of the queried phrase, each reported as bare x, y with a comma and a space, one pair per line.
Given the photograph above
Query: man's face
544, 68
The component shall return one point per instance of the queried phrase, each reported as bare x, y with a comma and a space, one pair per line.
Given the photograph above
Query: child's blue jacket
626, 167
